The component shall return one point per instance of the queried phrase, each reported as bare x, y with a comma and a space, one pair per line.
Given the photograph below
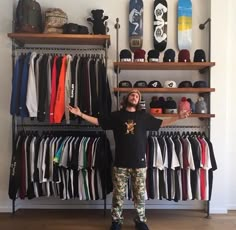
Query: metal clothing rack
87, 52
45, 127
193, 128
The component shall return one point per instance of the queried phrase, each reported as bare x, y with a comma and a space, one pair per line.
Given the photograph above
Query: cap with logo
170, 105
170, 84
140, 84
184, 55
156, 106
139, 55
153, 55
199, 56
125, 55
125, 84
169, 55
154, 84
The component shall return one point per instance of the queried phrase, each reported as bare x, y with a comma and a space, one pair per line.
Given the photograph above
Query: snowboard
160, 25
135, 24
184, 24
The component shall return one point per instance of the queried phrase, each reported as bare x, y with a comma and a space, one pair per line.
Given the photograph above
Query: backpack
28, 17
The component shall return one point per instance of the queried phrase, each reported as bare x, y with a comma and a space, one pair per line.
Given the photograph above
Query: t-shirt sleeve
107, 122
152, 123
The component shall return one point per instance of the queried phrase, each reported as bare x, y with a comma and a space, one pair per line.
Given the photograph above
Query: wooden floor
94, 220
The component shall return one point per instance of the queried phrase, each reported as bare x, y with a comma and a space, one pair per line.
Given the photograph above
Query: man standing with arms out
129, 127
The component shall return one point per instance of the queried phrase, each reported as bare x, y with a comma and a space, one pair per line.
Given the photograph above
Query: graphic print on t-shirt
130, 127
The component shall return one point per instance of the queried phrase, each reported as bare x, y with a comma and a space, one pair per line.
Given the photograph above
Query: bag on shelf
28, 17
55, 19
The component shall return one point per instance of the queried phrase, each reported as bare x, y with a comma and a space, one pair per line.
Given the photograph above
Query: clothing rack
81, 50
61, 130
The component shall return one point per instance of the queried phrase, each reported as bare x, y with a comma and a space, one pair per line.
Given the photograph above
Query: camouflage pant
138, 181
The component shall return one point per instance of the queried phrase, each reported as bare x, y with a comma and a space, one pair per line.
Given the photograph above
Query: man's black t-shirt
129, 130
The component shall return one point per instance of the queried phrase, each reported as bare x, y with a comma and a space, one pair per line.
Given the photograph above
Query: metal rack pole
117, 26
202, 27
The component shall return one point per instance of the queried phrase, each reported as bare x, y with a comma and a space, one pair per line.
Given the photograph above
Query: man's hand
75, 110
184, 114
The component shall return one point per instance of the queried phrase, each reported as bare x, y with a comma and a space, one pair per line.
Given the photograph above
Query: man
129, 127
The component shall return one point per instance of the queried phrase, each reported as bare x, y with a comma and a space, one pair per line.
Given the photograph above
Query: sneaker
115, 226
141, 225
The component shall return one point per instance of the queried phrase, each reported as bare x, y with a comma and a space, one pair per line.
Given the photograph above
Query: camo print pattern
120, 180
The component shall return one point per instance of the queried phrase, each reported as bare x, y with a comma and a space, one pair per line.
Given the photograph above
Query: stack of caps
169, 55
153, 56
156, 106
184, 56
170, 105
184, 105
192, 105
201, 106
125, 55
199, 56
139, 55
142, 105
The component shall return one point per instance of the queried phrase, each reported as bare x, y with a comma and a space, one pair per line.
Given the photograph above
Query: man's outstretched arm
182, 115
77, 111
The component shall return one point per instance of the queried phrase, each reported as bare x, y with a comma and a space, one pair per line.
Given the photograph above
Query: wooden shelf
167, 90
163, 65
194, 115
59, 39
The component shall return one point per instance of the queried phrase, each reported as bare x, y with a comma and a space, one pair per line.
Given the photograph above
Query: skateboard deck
184, 24
135, 24
160, 25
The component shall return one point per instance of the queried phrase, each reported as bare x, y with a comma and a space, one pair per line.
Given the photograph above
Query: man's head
132, 99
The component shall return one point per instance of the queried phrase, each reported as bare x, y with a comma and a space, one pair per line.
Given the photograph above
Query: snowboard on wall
135, 24
184, 24
160, 25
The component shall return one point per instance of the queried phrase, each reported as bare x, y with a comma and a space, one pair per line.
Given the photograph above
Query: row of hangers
178, 134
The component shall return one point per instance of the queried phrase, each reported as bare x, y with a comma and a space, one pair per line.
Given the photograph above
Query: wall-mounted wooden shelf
59, 39
167, 90
163, 65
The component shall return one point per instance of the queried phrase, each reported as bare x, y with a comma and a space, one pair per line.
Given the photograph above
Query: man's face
133, 99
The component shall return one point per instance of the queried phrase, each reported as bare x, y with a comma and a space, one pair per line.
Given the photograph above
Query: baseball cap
185, 84
170, 84
125, 55
169, 55
184, 55
125, 84
140, 84
154, 84
199, 56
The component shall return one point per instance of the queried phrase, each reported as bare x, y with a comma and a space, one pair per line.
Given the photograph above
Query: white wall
221, 131
5, 91
231, 110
